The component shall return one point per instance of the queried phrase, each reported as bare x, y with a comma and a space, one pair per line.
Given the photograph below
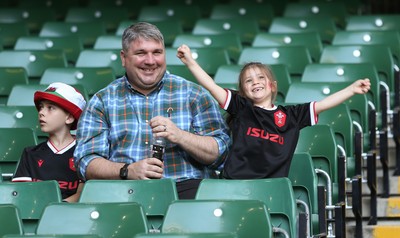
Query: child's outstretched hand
361, 86
184, 54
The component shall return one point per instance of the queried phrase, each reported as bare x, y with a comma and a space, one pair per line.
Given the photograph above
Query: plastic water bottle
158, 147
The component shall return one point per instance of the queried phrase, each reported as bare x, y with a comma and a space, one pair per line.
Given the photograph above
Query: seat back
311, 40
10, 76
119, 220
182, 71
30, 198
92, 79
101, 58
20, 117
70, 45
229, 41
263, 13
276, 193
380, 22
188, 235
295, 57
10, 220
10, 32
208, 58
12, 143
34, 61
247, 218
86, 31
155, 201
325, 26
246, 29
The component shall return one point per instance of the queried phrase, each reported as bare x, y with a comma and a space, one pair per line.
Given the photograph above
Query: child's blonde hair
266, 70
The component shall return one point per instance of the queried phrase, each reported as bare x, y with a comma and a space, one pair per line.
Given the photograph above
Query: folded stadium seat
187, 15
335, 10
381, 22
13, 141
52, 236
169, 28
229, 41
34, 61
92, 79
87, 31
353, 7
110, 16
22, 95
324, 25
133, 6
208, 58
295, 57
70, 45
245, 218
108, 42
227, 76
305, 187
263, 13
155, 201
10, 32
10, 76
34, 17
101, 58
119, 220
22, 117
245, 28
276, 193
30, 198
10, 220
311, 40
278, 5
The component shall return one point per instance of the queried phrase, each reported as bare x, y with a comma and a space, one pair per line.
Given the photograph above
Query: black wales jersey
263, 140
43, 162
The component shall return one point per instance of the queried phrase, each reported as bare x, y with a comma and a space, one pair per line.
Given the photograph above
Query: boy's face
53, 118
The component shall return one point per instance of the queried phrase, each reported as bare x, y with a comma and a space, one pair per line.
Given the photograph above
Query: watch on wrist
123, 172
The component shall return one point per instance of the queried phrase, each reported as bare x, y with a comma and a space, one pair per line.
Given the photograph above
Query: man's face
144, 63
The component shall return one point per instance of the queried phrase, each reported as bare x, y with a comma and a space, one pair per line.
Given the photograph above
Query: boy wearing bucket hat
59, 107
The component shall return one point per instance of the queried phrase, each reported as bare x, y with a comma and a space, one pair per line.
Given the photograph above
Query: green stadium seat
208, 58
187, 235
34, 61
335, 10
263, 13
70, 45
30, 198
245, 28
10, 32
108, 42
311, 40
204, 5
87, 31
182, 71
276, 193
119, 220
133, 6
155, 201
101, 58
10, 76
295, 57
92, 79
325, 26
10, 220
13, 141
277, 5
34, 17
229, 41
59, 7
51, 236
353, 7
187, 15
169, 28
246, 218
20, 117
110, 16
381, 22
305, 188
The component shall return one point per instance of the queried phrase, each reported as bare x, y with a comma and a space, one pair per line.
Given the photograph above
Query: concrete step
386, 208
384, 229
